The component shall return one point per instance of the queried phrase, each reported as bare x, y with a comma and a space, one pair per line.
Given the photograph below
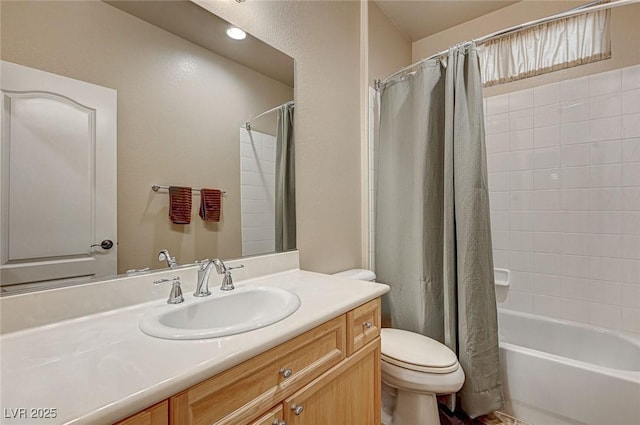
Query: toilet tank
358, 274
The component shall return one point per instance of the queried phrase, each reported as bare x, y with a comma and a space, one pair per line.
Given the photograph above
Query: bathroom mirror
184, 92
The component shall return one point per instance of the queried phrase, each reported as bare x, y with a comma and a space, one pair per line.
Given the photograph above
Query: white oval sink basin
237, 311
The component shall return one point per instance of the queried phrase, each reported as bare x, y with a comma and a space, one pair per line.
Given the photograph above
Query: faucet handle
174, 279
239, 266
175, 296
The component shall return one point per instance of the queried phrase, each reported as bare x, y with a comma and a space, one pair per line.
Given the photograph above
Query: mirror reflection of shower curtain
432, 228
285, 181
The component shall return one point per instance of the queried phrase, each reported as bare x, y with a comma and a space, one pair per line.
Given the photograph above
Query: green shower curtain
285, 207
432, 228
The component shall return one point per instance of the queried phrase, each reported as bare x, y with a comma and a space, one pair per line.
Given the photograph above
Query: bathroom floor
459, 418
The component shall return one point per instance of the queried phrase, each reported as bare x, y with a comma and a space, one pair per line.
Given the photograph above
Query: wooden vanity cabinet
154, 415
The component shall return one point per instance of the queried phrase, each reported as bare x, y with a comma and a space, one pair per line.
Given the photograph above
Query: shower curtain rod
591, 7
247, 124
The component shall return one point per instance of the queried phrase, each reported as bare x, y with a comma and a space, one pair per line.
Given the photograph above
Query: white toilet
415, 369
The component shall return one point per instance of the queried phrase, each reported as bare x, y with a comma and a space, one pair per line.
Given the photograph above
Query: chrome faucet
202, 289
227, 281
165, 256
175, 296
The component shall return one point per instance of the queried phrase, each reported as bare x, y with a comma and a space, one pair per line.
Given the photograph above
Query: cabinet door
155, 415
363, 325
348, 394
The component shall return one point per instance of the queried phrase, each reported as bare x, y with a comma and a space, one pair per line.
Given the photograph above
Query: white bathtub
556, 372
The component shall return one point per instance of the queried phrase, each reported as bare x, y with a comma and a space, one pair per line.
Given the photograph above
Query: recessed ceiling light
236, 33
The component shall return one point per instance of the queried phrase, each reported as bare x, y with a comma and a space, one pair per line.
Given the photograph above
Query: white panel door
58, 168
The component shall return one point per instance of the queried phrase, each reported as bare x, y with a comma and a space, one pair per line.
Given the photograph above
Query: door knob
105, 244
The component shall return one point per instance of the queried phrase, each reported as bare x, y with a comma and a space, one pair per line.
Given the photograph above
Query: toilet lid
416, 352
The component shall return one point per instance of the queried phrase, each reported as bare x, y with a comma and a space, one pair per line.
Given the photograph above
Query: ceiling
418, 19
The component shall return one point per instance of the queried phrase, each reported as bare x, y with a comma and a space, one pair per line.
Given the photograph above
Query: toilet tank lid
357, 274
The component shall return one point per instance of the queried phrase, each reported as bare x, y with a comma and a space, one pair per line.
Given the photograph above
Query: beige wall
389, 50
324, 39
179, 112
625, 39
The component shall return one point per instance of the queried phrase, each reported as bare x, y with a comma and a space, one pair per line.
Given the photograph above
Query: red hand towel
210, 204
180, 204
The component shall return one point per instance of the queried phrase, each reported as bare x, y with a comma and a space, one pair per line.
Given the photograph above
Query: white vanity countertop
101, 368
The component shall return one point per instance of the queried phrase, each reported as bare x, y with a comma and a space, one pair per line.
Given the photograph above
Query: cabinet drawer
274, 417
155, 415
363, 325
241, 393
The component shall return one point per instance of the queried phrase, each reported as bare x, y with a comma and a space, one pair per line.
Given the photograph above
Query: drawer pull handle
297, 410
277, 421
286, 372
367, 325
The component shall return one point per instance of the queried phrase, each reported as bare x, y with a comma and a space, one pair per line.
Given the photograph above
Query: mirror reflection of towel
210, 204
180, 204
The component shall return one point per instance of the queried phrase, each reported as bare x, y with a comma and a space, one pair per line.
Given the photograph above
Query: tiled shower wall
564, 181
257, 191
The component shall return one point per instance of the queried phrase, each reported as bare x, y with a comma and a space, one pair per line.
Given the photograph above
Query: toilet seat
417, 352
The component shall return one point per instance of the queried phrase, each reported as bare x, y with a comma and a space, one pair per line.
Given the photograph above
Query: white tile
521, 120
631, 223
575, 243
631, 320
631, 174
521, 221
605, 245
548, 242
606, 152
574, 199
631, 271
547, 284
546, 200
630, 126
520, 201
519, 140
546, 136
546, 95
546, 179
546, 158
520, 241
576, 88
546, 263
521, 261
521, 180
500, 239
521, 99
604, 129
608, 199
498, 181
631, 247
497, 123
603, 268
608, 105
606, 175
604, 83
520, 160
630, 295
575, 288
547, 306
577, 132
631, 150
631, 77
631, 101
606, 222
574, 111
574, 266
501, 258
606, 316
499, 220
498, 104
630, 198
548, 221
574, 310
575, 155
544, 116
521, 301
497, 162
497, 143
499, 201
575, 221
575, 177
521, 281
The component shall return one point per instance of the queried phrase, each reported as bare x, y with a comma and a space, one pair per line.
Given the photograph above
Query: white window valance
546, 47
